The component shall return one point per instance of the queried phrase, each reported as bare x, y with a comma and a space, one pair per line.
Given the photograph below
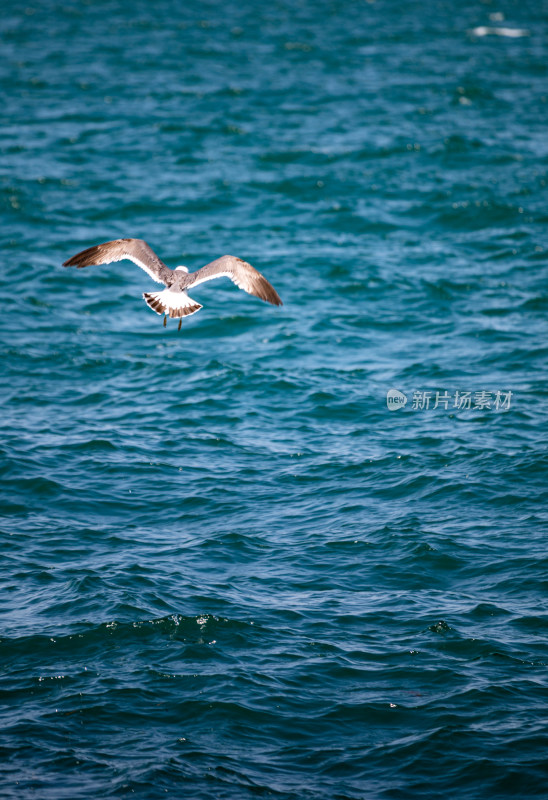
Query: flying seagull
174, 300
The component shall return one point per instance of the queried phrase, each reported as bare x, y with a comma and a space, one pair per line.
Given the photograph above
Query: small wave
511, 33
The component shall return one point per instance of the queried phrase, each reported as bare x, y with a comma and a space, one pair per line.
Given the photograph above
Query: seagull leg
180, 321
165, 320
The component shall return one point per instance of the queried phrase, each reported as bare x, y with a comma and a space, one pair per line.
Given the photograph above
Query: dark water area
228, 569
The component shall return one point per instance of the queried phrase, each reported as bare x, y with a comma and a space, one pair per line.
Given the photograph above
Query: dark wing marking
135, 250
241, 273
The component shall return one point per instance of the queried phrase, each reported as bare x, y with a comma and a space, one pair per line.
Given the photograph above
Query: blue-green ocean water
228, 570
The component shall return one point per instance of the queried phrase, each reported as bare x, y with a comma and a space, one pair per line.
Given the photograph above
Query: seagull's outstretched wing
135, 250
241, 273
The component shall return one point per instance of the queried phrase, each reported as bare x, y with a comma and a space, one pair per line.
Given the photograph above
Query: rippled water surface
228, 570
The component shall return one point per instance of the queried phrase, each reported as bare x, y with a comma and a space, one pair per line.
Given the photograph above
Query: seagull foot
165, 321
180, 322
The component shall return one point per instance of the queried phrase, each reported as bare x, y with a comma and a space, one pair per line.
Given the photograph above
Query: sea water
232, 564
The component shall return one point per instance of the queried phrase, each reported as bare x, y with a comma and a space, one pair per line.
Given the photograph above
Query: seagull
174, 300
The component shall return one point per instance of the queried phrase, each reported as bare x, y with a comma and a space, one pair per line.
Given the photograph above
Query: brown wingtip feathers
86, 258
265, 291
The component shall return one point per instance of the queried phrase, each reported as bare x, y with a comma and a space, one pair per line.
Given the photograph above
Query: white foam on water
512, 33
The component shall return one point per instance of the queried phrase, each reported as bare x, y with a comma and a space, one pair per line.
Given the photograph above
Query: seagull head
182, 269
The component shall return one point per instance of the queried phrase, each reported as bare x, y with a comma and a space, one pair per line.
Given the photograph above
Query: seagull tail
173, 304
